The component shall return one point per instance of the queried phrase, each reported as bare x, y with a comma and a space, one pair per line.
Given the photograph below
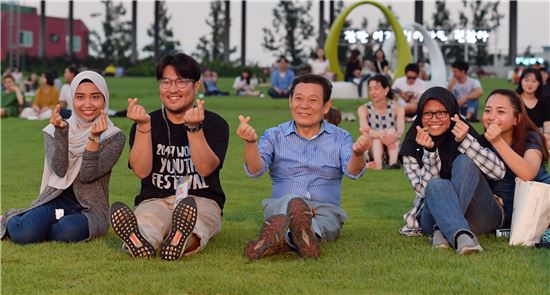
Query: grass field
369, 257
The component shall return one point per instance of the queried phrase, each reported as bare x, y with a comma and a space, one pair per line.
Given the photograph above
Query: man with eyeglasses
409, 89
178, 146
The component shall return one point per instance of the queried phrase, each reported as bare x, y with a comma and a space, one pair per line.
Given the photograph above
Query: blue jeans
470, 107
463, 203
40, 224
274, 93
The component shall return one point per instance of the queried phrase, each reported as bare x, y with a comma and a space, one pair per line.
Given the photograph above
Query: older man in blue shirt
306, 158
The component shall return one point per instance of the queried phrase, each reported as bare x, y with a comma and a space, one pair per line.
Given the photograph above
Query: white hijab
79, 131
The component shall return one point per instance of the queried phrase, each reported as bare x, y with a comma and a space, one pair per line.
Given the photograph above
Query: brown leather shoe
300, 216
271, 239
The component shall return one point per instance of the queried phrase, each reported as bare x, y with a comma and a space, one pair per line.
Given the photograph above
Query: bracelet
94, 138
143, 131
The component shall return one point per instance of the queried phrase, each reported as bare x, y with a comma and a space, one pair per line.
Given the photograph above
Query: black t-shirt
172, 156
540, 113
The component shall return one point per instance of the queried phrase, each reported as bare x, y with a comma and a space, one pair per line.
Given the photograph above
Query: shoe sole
470, 250
184, 219
301, 231
124, 224
274, 228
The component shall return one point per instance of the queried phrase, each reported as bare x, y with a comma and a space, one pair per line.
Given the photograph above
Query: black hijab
445, 143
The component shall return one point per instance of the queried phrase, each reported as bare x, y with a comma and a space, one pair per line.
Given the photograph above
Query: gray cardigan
91, 186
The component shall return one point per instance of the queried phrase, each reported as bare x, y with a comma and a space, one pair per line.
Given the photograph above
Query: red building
21, 34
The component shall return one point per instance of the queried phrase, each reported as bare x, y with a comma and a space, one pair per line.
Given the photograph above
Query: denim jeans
463, 203
40, 224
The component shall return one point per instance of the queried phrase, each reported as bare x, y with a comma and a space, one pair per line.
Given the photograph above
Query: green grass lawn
369, 257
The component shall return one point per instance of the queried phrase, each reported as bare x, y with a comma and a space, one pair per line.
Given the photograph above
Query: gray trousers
327, 222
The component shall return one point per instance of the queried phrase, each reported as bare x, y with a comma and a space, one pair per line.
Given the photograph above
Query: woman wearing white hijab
73, 204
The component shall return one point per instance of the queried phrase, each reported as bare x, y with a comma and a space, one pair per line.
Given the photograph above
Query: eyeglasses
166, 83
438, 114
412, 78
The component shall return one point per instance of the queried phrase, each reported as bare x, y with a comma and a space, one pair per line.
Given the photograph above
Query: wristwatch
193, 129
94, 138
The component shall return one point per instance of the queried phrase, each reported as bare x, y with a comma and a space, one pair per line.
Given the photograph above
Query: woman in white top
245, 84
319, 65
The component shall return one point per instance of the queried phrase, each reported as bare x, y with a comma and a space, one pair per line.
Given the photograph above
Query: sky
188, 22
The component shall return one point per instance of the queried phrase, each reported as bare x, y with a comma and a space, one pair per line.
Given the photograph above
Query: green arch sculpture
331, 44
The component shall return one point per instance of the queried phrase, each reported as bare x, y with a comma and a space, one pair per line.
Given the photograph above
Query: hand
136, 112
423, 138
460, 130
389, 137
195, 115
493, 133
99, 125
245, 131
461, 101
363, 143
56, 119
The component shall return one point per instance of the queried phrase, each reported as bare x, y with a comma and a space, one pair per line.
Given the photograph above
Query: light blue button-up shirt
310, 168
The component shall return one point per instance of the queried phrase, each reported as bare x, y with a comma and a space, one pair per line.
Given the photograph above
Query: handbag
531, 213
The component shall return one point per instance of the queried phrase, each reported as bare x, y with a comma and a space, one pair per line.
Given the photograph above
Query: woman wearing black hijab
447, 163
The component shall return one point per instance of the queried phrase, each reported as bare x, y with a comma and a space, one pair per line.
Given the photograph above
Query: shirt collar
325, 127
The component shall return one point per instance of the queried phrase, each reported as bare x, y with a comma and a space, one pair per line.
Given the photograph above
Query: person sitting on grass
467, 90
281, 79
45, 100
176, 141
12, 98
73, 204
306, 158
209, 81
386, 120
448, 164
245, 84
518, 141
65, 98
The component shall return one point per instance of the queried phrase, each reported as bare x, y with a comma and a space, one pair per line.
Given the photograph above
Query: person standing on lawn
73, 204
306, 158
178, 140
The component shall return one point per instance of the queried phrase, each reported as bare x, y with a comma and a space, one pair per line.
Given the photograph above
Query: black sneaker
125, 225
184, 219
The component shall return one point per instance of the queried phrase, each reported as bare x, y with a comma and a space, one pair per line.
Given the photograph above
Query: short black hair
185, 66
281, 58
73, 69
384, 82
412, 67
460, 65
314, 79
50, 78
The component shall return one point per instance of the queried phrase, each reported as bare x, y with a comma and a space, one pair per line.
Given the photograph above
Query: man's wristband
193, 129
143, 131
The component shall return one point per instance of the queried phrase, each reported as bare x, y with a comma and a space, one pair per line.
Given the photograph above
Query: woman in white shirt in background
246, 83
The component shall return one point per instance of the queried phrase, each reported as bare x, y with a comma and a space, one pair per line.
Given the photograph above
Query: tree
212, 49
115, 45
292, 27
442, 21
441, 17
484, 16
167, 43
